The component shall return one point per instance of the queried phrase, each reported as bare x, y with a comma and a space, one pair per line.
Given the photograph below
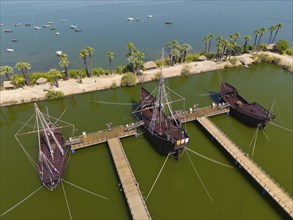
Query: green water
178, 193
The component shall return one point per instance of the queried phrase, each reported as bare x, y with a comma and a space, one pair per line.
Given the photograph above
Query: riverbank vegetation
177, 53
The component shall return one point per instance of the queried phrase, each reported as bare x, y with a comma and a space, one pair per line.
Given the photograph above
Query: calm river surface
178, 193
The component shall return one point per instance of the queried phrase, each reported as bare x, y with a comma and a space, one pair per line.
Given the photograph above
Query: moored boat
251, 114
162, 128
52, 151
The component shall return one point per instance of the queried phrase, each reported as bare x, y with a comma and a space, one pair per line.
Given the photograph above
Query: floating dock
272, 187
130, 187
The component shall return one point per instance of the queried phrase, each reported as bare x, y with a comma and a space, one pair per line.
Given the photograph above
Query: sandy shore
71, 87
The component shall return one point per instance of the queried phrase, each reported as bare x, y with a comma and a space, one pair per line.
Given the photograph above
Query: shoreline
71, 87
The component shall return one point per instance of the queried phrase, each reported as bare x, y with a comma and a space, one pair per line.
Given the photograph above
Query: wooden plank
283, 198
136, 203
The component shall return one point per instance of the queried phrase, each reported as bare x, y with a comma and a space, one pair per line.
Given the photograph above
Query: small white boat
9, 50
46, 25
59, 52
130, 19
53, 28
50, 22
57, 33
77, 30
149, 16
1, 24
27, 24
17, 25
73, 26
7, 31
37, 28
63, 20
14, 40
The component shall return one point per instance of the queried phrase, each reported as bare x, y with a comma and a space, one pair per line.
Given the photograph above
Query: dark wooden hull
252, 114
166, 137
53, 169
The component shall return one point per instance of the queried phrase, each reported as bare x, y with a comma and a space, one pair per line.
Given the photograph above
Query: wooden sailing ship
251, 114
52, 153
162, 128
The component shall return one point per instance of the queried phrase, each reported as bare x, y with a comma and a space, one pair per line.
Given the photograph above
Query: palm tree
90, 52
172, 45
205, 40
185, 47
271, 29
138, 56
64, 62
256, 33
24, 67
55, 75
83, 54
131, 48
261, 31
110, 55
211, 36
7, 70
175, 54
246, 38
278, 26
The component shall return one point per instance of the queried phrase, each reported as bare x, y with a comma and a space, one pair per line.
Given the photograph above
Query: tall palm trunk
91, 64
275, 34
209, 45
260, 36
270, 37
66, 72
255, 38
110, 61
86, 66
25, 76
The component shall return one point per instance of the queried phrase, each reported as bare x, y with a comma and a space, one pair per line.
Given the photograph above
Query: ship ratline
52, 151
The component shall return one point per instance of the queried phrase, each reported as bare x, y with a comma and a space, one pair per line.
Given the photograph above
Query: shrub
233, 61
282, 46
18, 80
113, 85
289, 51
157, 75
129, 79
185, 71
264, 58
192, 57
262, 46
161, 62
35, 76
54, 94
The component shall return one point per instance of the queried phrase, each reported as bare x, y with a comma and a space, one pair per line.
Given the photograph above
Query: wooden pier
276, 191
130, 187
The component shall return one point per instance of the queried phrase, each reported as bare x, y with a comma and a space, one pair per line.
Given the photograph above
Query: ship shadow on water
247, 177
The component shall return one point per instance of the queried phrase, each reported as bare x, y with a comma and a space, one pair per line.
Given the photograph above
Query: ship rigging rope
195, 170
209, 159
113, 103
34, 164
4, 213
66, 201
254, 144
61, 115
280, 126
157, 178
78, 187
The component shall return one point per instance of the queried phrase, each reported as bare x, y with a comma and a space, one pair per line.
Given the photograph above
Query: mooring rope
157, 178
113, 103
68, 208
265, 134
60, 115
287, 129
195, 170
254, 144
210, 159
4, 213
34, 164
103, 197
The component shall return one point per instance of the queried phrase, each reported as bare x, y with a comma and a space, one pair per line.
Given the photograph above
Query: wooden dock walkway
276, 191
194, 113
130, 187
102, 136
